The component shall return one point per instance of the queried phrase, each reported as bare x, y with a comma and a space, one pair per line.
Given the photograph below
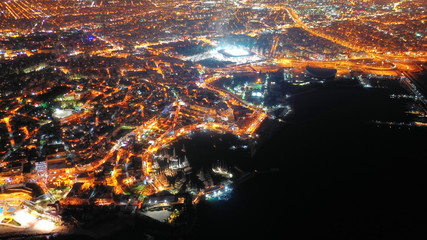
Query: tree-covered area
16, 66
188, 48
211, 62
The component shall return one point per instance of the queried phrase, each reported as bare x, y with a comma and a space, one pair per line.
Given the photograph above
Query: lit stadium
235, 52
234, 55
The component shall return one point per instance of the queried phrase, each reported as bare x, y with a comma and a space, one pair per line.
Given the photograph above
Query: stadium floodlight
236, 52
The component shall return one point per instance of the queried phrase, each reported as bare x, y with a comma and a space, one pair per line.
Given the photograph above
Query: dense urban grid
95, 94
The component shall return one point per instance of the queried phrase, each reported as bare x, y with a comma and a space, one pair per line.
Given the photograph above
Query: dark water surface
340, 176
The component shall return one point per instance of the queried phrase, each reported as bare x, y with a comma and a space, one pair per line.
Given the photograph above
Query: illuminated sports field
232, 54
236, 52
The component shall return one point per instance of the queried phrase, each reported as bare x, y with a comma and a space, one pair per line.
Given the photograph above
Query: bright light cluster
44, 225
62, 113
236, 52
24, 218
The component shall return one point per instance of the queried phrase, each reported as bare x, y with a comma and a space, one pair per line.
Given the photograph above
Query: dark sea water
340, 176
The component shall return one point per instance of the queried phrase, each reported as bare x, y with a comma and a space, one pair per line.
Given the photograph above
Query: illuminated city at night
161, 119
